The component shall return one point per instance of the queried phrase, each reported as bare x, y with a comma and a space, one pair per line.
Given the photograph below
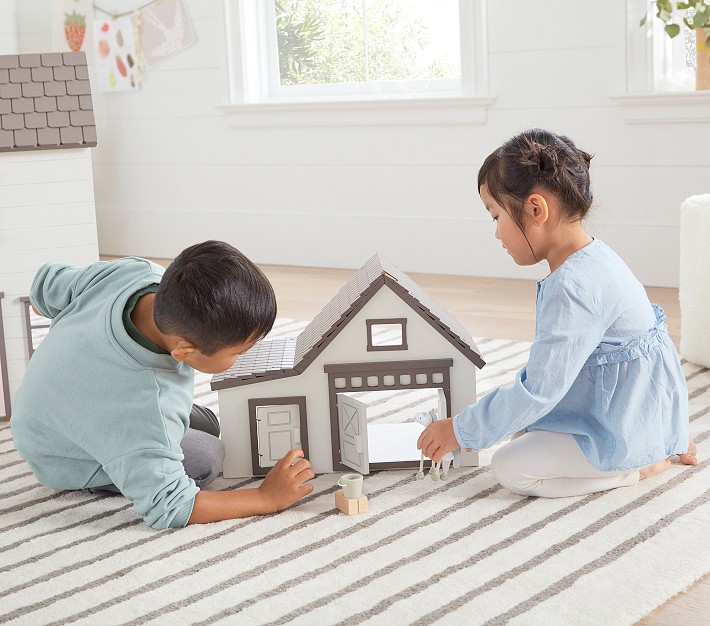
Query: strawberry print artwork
72, 25
75, 30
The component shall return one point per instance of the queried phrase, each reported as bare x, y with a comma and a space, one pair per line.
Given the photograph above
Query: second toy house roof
45, 102
279, 358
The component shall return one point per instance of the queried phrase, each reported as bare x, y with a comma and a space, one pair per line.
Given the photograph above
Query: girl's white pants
552, 465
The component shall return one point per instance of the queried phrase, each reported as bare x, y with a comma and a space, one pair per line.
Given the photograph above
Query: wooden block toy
350, 506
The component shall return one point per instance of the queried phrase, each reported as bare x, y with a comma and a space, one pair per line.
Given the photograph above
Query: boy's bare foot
690, 458
653, 469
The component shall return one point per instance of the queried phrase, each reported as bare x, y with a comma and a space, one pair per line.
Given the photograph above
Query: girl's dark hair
538, 159
214, 297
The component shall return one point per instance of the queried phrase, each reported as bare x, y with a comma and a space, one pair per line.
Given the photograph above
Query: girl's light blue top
602, 367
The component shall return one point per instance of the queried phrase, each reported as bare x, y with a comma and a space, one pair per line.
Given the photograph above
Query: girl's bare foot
690, 458
653, 469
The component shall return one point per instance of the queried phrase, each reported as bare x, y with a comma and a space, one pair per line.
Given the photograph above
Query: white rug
462, 552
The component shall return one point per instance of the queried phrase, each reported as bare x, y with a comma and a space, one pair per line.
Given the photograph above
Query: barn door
352, 429
443, 409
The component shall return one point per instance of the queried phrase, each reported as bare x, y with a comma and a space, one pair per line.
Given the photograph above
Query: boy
106, 401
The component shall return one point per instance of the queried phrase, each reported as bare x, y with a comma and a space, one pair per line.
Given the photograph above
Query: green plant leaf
672, 30
664, 6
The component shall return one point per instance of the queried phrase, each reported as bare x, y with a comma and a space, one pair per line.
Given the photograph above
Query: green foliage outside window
694, 14
327, 41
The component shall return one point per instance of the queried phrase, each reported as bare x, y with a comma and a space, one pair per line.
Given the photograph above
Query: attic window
386, 334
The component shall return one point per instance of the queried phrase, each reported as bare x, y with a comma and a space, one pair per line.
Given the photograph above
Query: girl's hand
438, 439
284, 484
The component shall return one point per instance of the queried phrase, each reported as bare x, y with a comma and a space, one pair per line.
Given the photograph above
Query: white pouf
694, 281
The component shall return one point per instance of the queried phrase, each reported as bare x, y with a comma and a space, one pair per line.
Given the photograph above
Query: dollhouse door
443, 408
352, 429
278, 431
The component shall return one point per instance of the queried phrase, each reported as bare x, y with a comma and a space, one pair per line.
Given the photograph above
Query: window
658, 62
353, 47
382, 54
660, 72
673, 58
386, 334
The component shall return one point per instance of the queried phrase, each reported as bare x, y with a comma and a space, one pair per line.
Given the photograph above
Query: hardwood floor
487, 307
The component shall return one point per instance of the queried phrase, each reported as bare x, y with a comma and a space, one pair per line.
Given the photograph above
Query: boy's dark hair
214, 297
539, 159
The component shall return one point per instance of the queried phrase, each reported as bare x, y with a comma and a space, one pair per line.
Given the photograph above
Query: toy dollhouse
380, 333
47, 211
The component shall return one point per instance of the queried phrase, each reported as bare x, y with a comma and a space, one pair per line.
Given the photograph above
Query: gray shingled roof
270, 359
45, 102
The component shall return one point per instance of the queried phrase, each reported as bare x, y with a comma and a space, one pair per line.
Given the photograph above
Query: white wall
8, 27
170, 170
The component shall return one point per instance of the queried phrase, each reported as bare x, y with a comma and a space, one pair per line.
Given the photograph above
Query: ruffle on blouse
633, 349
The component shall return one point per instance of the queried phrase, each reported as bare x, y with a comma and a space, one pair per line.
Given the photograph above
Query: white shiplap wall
46, 214
170, 169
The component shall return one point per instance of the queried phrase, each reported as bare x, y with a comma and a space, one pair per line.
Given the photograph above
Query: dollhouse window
386, 334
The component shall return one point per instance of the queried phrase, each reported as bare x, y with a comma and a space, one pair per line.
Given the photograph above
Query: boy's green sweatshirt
95, 407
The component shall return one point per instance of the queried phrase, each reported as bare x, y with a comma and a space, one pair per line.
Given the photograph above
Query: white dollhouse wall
47, 213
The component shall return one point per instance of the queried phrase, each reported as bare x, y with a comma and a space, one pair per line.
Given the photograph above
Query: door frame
381, 369
257, 402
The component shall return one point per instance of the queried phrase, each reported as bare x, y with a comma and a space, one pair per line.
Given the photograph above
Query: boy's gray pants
203, 450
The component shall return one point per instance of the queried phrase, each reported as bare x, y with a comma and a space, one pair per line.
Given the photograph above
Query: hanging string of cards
121, 45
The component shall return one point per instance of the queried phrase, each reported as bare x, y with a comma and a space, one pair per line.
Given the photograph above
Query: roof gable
325, 326
376, 273
45, 102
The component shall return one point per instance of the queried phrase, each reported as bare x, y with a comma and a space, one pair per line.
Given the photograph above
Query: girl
602, 401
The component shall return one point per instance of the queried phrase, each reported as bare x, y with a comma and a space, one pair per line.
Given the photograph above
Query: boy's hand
284, 484
438, 439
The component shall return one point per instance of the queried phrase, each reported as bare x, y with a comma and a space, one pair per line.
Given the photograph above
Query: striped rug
462, 552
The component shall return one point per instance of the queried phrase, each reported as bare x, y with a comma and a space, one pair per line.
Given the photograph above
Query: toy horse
437, 471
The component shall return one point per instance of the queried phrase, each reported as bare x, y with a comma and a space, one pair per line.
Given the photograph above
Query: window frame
251, 102
641, 103
647, 47
391, 321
